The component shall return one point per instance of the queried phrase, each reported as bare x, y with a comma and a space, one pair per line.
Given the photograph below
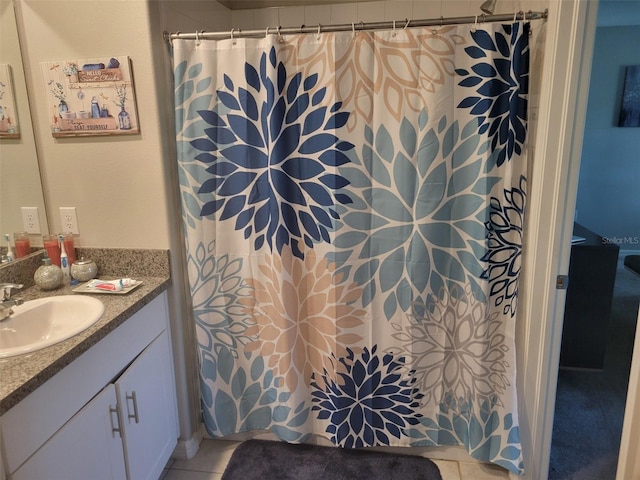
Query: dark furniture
592, 273
632, 262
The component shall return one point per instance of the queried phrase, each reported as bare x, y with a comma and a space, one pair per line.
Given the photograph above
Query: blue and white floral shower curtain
353, 207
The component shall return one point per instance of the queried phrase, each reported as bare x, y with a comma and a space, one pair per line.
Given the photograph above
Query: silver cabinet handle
115, 426
132, 397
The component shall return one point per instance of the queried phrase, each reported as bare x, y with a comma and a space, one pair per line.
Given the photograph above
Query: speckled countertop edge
22, 374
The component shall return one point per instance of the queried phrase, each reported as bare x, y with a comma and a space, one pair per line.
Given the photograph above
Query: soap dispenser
48, 276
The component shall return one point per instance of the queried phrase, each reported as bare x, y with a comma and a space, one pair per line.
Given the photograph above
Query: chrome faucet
6, 302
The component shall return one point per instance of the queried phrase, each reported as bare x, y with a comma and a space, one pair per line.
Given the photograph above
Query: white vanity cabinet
146, 395
110, 414
83, 448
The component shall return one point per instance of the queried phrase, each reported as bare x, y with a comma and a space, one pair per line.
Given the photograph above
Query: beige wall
116, 183
192, 15
373, 11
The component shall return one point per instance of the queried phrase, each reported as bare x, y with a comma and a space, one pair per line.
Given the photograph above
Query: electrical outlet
30, 219
69, 220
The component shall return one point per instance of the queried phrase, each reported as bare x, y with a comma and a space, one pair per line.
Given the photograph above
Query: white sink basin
40, 323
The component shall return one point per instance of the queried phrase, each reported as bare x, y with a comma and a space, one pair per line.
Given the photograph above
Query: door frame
553, 184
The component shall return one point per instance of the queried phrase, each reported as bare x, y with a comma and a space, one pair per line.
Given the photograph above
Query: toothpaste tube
111, 285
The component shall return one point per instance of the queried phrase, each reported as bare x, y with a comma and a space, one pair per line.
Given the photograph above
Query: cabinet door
87, 446
147, 398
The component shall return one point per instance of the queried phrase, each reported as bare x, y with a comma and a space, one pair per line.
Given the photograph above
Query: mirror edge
25, 148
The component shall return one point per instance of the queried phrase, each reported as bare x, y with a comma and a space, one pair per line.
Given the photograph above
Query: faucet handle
5, 290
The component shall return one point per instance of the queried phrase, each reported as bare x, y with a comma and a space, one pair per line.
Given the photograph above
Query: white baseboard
187, 449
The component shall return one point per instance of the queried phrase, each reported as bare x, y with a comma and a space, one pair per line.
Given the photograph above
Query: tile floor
213, 455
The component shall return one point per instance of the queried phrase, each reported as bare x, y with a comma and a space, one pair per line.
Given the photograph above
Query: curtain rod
358, 27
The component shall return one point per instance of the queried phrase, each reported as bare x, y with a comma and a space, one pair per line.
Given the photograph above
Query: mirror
20, 183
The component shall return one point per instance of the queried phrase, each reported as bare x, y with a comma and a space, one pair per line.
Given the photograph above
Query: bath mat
268, 460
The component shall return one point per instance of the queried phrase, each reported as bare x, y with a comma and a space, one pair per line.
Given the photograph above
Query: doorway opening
594, 368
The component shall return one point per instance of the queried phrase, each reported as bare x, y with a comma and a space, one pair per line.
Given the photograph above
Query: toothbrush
10, 256
64, 262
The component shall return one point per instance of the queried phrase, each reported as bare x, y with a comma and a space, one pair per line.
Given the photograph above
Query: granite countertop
22, 374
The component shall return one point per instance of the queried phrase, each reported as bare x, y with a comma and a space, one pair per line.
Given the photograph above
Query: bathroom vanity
100, 405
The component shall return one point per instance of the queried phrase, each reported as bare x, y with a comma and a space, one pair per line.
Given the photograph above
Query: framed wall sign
93, 96
630, 108
8, 119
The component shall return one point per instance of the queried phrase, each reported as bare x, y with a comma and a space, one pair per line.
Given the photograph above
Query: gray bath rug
267, 460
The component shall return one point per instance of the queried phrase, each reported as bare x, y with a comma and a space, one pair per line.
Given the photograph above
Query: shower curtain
353, 206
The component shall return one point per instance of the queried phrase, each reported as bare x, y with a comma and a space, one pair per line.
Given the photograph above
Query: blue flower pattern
459, 422
270, 157
218, 284
419, 211
504, 255
251, 399
370, 400
406, 215
500, 100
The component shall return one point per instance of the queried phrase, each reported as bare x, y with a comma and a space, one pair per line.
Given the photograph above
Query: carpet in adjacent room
590, 404
268, 460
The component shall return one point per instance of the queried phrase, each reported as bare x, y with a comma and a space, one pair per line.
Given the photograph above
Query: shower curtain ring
197, 39
266, 32
406, 24
318, 35
280, 39
353, 29
475, 25
394, 29
233, 40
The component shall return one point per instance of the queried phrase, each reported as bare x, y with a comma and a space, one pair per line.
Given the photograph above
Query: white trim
553, 181
187, 449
